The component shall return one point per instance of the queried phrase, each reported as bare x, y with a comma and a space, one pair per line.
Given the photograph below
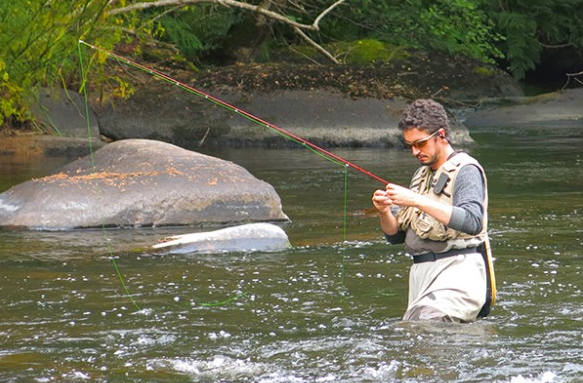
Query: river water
90, 306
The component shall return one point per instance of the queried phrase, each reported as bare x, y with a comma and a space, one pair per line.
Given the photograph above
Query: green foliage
513, 33
198, 29
483, 71
521, 46
180, 33
530, 26
10, 102
358, 52
454, 26
367, 51
38, 46
458, 27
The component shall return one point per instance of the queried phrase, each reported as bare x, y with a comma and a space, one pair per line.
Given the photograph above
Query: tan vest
424, 225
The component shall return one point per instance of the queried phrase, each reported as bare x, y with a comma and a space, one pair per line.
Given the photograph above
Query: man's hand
402, 196
408, 198
381, 201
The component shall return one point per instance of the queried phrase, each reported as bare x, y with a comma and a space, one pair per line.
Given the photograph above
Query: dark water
82, 307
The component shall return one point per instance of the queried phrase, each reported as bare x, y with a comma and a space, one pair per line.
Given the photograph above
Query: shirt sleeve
397, 238
468, 201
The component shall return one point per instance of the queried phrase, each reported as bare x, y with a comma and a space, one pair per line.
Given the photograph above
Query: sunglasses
421, 143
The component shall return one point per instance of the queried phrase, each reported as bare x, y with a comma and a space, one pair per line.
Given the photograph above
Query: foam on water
220, 367
546, 377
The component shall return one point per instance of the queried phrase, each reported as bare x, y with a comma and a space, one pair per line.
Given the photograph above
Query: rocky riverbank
328, 105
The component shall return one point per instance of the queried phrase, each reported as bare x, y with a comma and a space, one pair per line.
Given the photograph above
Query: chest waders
439, 187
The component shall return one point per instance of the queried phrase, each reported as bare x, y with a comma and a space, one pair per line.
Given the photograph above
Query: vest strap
431, 256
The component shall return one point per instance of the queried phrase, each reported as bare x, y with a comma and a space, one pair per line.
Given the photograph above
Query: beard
427, 160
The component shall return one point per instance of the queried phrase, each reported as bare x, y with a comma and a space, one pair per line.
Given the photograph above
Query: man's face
423, 145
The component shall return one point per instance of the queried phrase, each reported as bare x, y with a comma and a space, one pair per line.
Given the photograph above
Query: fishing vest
439, 187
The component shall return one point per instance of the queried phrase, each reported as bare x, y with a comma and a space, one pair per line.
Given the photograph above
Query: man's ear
442, 133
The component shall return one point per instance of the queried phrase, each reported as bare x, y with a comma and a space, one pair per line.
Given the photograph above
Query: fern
529, 25
198, 29
521, 47
181, 34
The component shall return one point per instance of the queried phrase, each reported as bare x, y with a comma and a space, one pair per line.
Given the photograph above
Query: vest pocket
423, 225
427, 227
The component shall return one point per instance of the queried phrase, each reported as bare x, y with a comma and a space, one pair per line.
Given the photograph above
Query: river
93, 306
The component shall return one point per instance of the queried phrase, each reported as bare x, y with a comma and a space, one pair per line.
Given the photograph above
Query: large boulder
133, 183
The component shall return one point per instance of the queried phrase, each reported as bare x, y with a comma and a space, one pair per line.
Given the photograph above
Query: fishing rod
241, 112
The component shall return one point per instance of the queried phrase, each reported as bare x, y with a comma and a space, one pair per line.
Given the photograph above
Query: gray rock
557, 109
133, 183
250, 237
325, 118
322, 117
62, 113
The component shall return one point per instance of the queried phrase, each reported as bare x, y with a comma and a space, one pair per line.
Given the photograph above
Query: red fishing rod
238, 111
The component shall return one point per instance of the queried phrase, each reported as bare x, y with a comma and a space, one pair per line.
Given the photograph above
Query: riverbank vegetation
39, 39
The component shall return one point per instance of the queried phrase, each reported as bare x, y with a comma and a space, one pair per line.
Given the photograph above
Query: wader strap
490, 283
431, 256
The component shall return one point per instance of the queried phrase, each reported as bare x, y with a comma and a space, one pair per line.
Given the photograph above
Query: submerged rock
242, 238
133, 183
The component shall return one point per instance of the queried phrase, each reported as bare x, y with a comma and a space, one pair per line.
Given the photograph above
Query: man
442, 219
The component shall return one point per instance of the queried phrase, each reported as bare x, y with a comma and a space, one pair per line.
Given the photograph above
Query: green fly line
92, 160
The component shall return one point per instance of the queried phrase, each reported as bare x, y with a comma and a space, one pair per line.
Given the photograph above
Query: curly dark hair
425, 114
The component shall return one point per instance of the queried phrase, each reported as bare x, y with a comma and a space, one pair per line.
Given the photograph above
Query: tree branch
574, 77
316, 45
232, 3
558, 46
298, 27
326, 11
152, 4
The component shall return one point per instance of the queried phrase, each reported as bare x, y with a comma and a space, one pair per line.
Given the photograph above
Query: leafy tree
266, 12
532, 26
513, 33
38, 47
198, 30
454, 26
